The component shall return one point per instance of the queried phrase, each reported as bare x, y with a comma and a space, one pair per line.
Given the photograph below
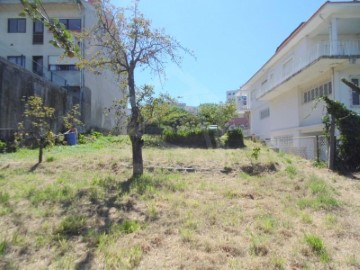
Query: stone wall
17, 83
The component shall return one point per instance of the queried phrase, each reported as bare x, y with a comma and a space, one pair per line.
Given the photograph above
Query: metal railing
344, 48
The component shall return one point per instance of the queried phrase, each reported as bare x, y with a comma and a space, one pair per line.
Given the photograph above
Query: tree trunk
41, 148
135, 127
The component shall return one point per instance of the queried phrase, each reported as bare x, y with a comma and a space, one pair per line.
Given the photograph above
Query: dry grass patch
79, 211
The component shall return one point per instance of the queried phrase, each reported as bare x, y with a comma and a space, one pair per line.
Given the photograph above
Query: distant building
26, 43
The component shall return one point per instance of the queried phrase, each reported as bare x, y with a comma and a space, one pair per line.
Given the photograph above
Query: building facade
284, 93
26, 43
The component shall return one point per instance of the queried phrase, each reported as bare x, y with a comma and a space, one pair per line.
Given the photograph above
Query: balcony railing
343, 48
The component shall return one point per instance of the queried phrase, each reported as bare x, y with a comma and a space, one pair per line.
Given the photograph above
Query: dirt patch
259, 168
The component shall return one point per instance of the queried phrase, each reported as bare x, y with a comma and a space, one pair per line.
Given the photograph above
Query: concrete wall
99, 89
17, 83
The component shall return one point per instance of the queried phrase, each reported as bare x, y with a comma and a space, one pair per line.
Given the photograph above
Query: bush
2, 147
234, 139
192, 138
348, 123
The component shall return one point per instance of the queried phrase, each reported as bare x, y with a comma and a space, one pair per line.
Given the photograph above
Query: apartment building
26, 43
310, 63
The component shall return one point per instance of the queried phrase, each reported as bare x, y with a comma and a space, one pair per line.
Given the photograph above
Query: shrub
192, 138
348, 123
2, 147
234, 139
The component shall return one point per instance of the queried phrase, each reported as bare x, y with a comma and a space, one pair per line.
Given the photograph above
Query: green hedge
234, 138
193, 138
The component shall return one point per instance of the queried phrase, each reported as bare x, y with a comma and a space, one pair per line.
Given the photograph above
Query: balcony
341, 49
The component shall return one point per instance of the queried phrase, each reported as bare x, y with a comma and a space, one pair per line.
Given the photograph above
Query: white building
240, 99
26, 43
308, 64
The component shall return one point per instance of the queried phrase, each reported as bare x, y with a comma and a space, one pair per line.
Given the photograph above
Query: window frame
22, 59
11, 31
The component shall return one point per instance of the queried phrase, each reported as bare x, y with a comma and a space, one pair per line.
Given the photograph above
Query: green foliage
3, 247
2, 146
291, 170
71, 226
255, 153
71, 119
37, 125
127, 226
191, 138
317, 246
4, 198
216, 114
322, 196
348, 123
234, 138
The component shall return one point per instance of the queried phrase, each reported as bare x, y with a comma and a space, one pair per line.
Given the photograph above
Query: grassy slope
74, 212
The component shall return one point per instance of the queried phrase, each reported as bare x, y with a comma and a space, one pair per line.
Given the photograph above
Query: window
16, 25
355, 95
62, 67
37, 66
265, 113
71, 24
319, 91
18, 60
38, 32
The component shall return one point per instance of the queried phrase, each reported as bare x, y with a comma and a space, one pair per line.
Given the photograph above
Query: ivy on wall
348, 123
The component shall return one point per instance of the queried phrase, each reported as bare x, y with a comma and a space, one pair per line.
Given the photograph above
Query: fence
309, 147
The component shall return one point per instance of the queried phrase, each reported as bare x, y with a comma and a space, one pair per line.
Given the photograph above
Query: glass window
38, 65
38, 32
16, 25
18, 60
71, 24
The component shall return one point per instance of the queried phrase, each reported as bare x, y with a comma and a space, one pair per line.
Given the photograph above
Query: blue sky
231, 39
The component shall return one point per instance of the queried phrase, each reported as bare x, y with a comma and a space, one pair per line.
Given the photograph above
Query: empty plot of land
78, 210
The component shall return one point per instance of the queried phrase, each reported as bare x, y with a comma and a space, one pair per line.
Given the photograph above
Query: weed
306, 218
278, 263
257, 247
330, 220
152, 213
267, 223
320, 164
50, 159
317, 186
255, 153
291, 170
71, 226
127, 226
186, 235
52, 194
323, 196
4, 198
317, 246
3, 247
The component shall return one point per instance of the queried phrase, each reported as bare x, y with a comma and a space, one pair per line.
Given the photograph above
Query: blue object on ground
71, 138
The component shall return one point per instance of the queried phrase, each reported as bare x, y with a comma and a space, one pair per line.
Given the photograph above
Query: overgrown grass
82, 209
321, 197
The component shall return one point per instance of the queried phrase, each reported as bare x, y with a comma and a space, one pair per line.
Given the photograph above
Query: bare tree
127, 42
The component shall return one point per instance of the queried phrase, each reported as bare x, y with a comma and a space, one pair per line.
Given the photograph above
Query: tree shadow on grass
101, 209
